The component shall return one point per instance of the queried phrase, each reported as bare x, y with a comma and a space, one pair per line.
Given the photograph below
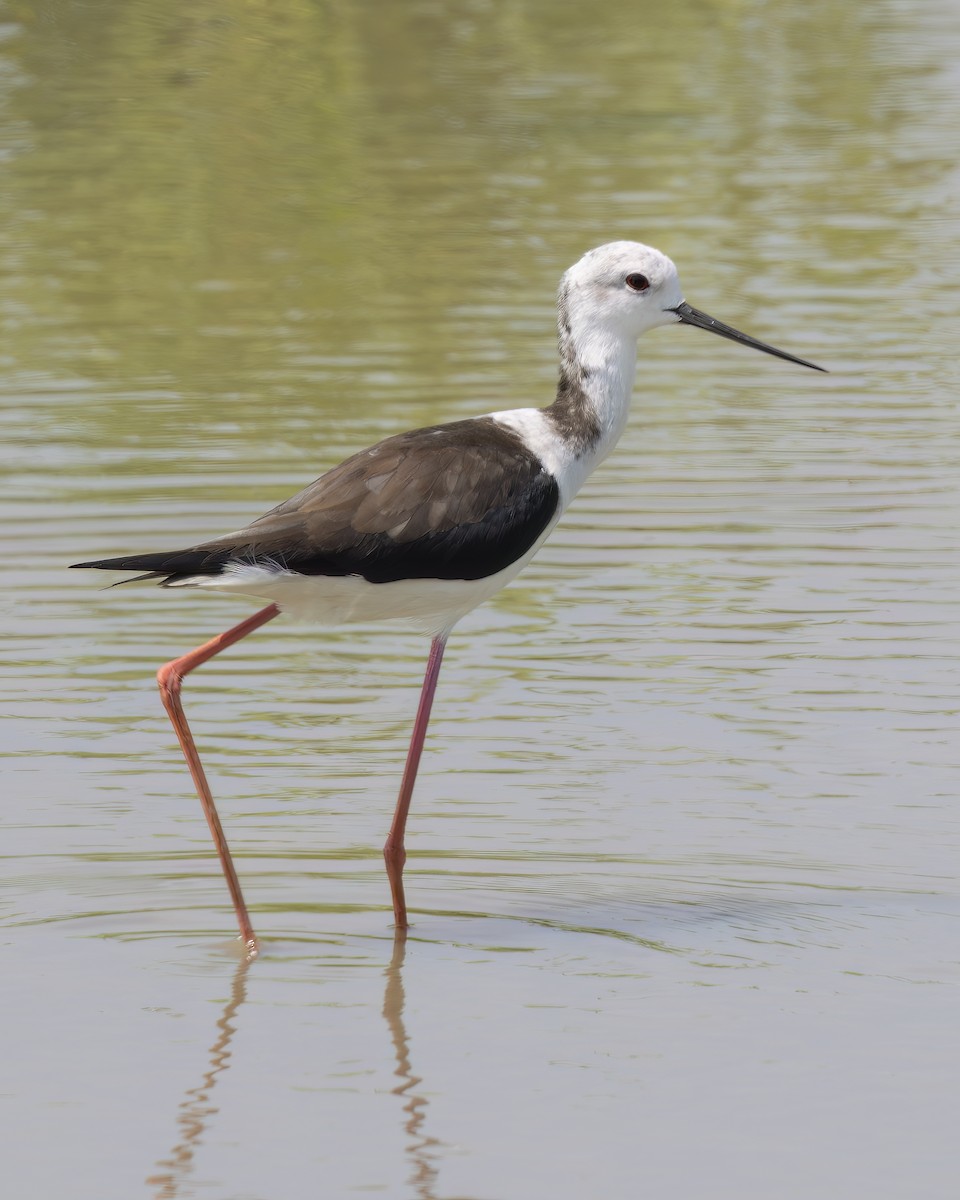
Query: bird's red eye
638, 283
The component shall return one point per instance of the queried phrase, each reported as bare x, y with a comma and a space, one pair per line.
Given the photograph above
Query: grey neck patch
572, 414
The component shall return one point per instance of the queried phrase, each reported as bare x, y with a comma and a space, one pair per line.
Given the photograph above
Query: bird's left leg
170, 678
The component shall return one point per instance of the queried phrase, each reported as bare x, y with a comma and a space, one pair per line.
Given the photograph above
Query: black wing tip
166, 568
197, 561
109, 564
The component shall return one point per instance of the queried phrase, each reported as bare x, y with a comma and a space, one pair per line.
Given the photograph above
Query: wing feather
455, 501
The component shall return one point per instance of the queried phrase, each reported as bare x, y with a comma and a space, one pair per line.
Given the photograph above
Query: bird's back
459, 501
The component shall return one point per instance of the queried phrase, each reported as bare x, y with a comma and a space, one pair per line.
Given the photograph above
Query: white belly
433, 605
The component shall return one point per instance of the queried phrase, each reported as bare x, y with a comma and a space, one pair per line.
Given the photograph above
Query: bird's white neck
597, 367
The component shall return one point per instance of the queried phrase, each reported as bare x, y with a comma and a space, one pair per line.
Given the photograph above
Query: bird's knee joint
394, 857
169, 678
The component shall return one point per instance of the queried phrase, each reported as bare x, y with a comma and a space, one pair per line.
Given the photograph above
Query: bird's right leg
170, 677
394, 852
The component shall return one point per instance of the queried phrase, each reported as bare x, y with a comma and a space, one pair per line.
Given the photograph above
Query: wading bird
428, 524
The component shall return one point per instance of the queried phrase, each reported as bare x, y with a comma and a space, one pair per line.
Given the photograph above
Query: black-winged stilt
426, 525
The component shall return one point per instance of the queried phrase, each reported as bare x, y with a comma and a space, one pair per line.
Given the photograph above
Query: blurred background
683, 853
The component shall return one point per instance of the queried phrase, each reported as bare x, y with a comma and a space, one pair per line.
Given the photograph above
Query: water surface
683, 854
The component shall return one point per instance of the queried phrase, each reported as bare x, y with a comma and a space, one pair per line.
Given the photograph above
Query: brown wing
456, 501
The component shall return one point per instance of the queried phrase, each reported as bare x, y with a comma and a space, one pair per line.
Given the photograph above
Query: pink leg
170, 677
393, 852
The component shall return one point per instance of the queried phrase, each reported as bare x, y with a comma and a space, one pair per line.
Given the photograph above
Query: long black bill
692, 316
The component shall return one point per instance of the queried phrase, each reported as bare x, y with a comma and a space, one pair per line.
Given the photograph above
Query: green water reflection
683, 853
213, 198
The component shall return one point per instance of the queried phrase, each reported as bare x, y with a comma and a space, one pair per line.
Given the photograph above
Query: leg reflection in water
421, 1149
196, 1109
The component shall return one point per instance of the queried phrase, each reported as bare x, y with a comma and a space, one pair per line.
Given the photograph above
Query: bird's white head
623, 288
618, 291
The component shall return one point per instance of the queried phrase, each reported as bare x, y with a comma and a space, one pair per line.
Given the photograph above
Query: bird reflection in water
195, 1108
420, 1146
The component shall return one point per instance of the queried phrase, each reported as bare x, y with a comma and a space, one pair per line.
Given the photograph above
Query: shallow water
683, 853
